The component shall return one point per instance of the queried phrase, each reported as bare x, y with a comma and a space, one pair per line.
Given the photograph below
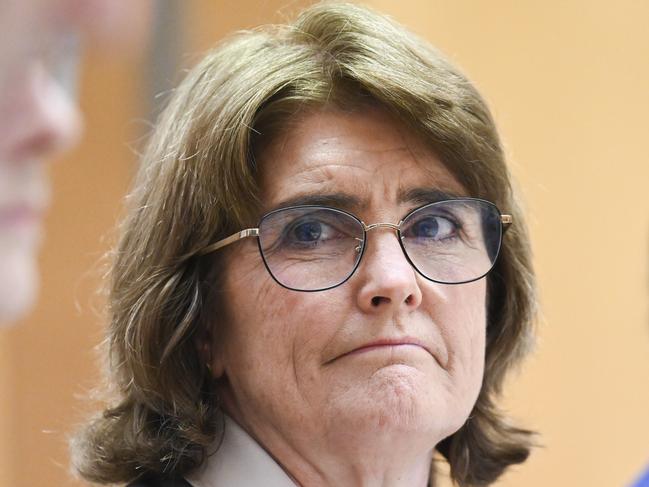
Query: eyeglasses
315, 248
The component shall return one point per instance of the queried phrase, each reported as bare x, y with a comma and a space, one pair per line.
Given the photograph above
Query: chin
18, 286
397, 403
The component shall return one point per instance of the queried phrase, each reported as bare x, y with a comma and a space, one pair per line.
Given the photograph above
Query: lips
20, 225
386, 343
19, 214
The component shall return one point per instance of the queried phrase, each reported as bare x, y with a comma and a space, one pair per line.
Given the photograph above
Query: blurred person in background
40, 118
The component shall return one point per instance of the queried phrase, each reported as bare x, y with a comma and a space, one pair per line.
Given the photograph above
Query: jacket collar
239, 461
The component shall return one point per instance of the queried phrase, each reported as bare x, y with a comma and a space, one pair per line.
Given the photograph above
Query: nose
39, 119
388, 281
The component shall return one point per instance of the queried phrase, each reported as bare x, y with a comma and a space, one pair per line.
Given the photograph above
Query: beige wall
569, 85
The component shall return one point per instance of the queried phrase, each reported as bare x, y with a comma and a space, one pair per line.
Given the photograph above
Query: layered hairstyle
198, 184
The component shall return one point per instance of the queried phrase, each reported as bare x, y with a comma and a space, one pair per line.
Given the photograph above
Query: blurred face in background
39, 118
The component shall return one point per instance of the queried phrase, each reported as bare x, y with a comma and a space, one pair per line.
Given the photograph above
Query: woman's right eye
307, 232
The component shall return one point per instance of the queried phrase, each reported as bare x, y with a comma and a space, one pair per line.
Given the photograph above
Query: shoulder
160, 482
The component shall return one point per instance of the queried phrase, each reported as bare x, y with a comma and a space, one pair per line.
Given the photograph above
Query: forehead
365, 154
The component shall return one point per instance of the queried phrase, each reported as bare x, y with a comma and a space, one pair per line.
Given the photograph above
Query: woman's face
387, 355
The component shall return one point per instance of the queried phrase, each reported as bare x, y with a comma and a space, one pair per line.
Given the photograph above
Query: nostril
36, 146
377, 300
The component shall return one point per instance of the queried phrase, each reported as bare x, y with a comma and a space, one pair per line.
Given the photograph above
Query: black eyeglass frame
505, 222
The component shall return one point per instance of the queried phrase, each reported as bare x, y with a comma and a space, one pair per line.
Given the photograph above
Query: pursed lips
384, 343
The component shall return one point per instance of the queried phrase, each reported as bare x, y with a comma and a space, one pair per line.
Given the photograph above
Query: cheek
271, 331
463, 321
254, 312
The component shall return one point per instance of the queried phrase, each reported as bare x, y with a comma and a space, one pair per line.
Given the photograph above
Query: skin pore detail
379, 369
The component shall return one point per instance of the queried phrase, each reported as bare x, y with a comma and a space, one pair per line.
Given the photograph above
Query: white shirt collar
240, 461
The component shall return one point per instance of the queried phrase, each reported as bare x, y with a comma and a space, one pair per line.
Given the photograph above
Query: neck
380, 460
378, 471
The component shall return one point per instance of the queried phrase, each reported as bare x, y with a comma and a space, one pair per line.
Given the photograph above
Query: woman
313, 285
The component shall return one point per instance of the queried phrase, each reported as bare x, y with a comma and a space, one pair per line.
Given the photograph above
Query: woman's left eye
433, 227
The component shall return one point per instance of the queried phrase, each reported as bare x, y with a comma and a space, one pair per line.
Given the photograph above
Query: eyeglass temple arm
507, 221
248, 232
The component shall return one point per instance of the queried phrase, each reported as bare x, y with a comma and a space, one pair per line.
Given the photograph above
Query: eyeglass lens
314, 248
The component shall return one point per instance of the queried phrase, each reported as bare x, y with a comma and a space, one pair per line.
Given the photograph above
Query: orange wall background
568, 83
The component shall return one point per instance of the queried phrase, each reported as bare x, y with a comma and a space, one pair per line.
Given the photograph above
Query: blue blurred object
643, 481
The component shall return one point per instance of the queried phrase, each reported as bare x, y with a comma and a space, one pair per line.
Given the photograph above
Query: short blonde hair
198, 183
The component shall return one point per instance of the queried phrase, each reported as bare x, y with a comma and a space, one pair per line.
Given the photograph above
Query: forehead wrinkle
324, 180
387, 169
350, 158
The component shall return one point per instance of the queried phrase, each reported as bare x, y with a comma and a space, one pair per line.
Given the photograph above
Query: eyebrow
342, 201
345, 201
425, 195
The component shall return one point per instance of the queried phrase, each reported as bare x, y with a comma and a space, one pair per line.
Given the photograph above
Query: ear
210, 354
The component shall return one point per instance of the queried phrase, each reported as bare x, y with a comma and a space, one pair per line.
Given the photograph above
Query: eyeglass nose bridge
379, 225
373, 226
